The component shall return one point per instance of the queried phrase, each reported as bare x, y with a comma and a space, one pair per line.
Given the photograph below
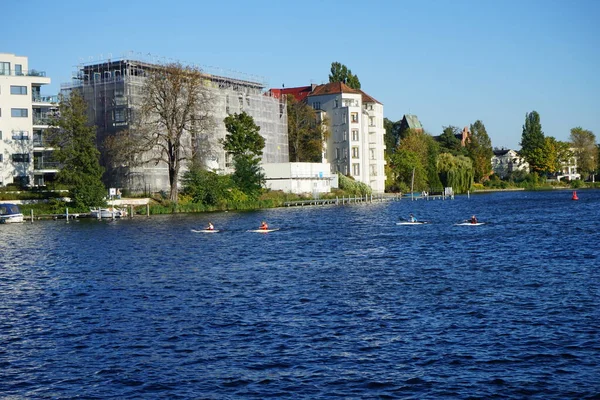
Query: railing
42, 119
31, 72
37, 142
45, 165
44, 99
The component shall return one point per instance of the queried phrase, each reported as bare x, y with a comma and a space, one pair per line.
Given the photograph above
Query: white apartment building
24, 116
355, 145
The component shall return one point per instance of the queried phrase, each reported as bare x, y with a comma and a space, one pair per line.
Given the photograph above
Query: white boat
205, 230
110, 212
468, 223
10, 213
262, 230
412, 223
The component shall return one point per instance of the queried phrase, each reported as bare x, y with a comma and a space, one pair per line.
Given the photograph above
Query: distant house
569, 170
506, 161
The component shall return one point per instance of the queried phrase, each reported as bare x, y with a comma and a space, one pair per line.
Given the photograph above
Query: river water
340, 303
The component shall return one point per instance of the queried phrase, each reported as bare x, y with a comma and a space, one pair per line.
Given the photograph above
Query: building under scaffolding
113, 89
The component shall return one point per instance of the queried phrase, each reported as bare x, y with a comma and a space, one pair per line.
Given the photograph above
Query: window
1, 157
18, 69
20, 135
19, 112
373, 168
355, 135
18, 89
0, 135
346, 153
372, 154
317, 105
354, 117
4, 68
355, 152
336, 103
371, 121
356, 169
20, 157
119, 115
345, 135
337, 153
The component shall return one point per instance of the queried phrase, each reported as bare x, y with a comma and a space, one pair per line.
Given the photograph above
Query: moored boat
10, 213
110, 212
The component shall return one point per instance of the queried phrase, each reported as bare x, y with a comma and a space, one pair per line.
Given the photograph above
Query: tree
76, 152
341, 73
392, 135
244, 142
455, 172
175, 110
533, 142
479, 149
449, 143
306, 132
583, 142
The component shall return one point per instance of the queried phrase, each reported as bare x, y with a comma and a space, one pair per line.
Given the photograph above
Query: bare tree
170, 124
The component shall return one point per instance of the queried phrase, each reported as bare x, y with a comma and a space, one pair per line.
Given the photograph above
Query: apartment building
355, 145
25, 156
113, 88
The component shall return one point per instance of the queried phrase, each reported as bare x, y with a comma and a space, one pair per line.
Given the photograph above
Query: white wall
298, 177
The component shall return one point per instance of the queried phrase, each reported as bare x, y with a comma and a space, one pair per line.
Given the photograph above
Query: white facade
24, 116
355, 145
298, 177
506, 161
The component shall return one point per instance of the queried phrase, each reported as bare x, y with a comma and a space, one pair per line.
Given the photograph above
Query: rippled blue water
341, 302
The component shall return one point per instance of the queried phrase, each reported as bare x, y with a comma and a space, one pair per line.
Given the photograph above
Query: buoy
574, 196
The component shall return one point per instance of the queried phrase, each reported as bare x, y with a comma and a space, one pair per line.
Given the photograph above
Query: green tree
583, 142
76, 152
206, 187
341, 73
479, 149
306, 132
533, 142
449, 143
244, 142
391, 136
455, 172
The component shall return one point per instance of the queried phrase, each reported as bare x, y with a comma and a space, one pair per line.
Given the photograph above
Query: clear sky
450, 62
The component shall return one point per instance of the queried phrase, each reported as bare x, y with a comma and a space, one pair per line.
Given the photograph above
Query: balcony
45, 165
43, 118
36, 98
31, 72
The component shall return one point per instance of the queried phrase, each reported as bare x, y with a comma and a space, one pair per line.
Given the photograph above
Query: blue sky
450, 62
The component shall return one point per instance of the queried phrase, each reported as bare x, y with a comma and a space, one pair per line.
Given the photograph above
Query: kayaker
210, 227
264, 226
412, 218
473, 219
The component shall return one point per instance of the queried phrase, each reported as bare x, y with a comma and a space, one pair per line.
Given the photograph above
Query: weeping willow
455, 171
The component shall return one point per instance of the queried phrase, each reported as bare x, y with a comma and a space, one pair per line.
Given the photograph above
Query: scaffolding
112, 90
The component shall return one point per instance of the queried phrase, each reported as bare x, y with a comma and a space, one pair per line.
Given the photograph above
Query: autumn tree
244, 142
479, 149
306, 132
455, 172
74, 142
583, 142
533, 142
175, 114
341, 73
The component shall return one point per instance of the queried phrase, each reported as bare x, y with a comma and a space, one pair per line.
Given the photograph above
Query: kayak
205, 230
411, 223
470, 224
262, 230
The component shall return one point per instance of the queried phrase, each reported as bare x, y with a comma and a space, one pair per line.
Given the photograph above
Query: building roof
340, 87
412, 121
368, 99
300, 93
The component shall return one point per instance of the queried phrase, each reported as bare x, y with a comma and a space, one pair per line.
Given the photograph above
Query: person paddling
264, 226
473, 219
412, 218
210, 227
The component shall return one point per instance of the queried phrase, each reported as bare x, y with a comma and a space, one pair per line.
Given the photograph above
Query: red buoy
574, 196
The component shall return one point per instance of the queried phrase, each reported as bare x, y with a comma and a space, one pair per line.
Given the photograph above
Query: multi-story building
355, 145
25, 156
506, 161
113, 90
